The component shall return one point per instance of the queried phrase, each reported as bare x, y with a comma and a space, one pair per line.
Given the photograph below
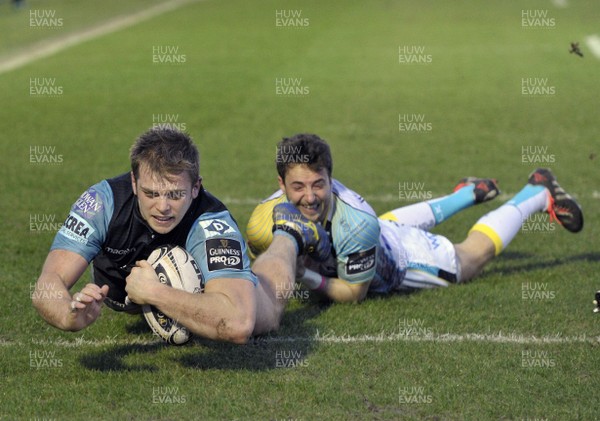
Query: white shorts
429, 260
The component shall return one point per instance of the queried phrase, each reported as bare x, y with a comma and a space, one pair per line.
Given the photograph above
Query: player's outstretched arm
341, 291
336, 289
52, 299
226, 311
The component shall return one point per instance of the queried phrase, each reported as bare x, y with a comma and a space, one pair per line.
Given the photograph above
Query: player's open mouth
311, 211
163, 220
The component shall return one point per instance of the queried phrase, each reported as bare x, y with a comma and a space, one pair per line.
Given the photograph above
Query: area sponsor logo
76, 228
223, 254
213, 227
361, 261
89, 203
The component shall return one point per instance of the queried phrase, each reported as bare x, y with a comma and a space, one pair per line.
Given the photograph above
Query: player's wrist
313, 280
155, 294
290, 235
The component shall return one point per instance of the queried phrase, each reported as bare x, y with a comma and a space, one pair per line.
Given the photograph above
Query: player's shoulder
259, 230
97, 198
264, 210
354, 224
86, 226
351, 198
218, 222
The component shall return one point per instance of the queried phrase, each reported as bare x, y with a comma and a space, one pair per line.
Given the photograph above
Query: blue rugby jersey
105, 227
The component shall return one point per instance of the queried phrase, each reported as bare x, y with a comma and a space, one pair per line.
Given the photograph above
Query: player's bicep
63, 265
237, 292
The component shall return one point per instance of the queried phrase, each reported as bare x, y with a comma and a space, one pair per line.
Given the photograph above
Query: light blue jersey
106, 227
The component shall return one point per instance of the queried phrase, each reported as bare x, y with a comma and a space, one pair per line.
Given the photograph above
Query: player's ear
281, 183
133, 183
196, 188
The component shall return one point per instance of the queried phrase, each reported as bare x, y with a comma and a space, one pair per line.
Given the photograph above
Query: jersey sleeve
216, 243
260, 226
355, 239
84, 230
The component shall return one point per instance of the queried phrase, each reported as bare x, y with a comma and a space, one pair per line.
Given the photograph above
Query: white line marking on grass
498, 338
512, 338
48, 48
561, 4
593, 43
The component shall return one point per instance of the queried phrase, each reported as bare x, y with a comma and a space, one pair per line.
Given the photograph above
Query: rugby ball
176, 268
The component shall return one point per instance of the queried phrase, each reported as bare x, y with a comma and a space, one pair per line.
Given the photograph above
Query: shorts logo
76, 228
215, 227
223, 254
360, 262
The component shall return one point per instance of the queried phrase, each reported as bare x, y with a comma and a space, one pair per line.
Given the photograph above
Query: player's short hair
166, 152
303, 149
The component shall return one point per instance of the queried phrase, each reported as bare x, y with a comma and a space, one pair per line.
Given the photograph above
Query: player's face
308, 190
163, 202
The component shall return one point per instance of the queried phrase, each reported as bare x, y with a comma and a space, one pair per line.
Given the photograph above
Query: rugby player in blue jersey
395, 251
117, 223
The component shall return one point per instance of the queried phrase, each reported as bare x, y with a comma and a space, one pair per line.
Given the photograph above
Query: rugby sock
503, 224
426, 215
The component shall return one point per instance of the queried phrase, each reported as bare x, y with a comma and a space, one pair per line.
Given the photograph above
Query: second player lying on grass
360, 252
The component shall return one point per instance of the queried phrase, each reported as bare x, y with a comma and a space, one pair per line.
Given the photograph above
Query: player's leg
495, 230
426, 215
541, 194
473, 254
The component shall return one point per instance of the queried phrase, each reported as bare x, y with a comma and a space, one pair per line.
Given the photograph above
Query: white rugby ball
177, 268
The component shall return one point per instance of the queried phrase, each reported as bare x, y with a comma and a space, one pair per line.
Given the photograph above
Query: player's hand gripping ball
176, 268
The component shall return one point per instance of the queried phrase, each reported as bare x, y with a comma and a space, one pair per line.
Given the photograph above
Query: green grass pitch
412, 96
